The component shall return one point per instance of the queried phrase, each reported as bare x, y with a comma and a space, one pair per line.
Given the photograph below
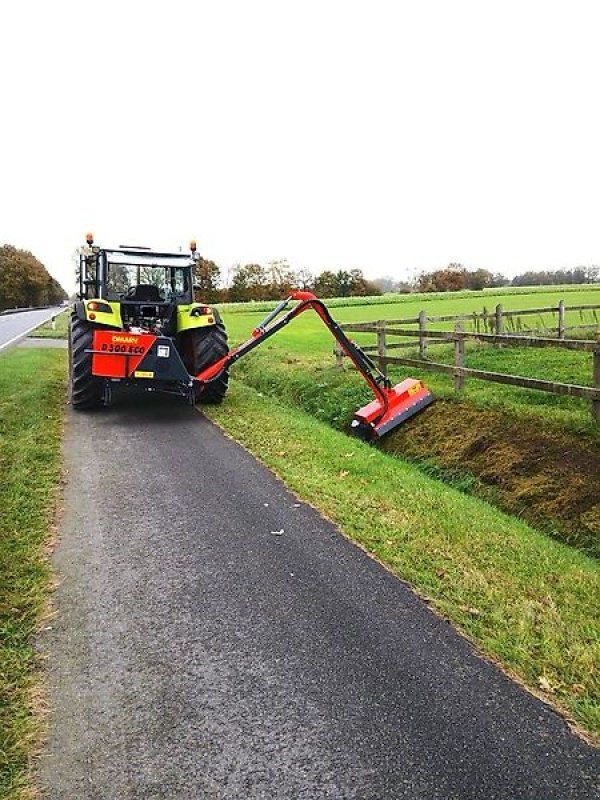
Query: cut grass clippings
528, 601
31, 418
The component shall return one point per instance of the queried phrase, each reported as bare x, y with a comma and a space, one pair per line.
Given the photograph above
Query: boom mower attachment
392, 405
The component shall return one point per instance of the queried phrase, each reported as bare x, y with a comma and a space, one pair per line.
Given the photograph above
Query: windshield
172, 282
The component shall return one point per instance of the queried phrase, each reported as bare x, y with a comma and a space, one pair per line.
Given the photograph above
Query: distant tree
358, 283
589, 274
360, 286
497, 280
249, 283
478, 278
371, 289
326, 284
385, 284
25, 281
456, 278
281, 279
304, 279
207, 278
593, 274
344, 283
451, 279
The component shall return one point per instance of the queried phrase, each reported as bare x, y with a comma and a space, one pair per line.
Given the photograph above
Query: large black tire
85, 390
201, 347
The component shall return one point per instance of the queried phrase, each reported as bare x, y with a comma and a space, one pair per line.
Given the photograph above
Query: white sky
391, 136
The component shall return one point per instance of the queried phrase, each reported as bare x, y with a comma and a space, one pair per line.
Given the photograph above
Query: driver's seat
145, 293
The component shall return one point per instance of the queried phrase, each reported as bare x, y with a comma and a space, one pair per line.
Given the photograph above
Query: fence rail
494, 319
458, 337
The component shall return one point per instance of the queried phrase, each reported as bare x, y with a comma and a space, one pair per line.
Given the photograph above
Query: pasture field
488, 297
315, 340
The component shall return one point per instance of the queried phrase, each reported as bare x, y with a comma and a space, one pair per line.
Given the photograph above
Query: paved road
14, 327
216, 639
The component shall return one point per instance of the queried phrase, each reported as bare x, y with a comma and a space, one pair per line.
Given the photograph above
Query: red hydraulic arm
392, 405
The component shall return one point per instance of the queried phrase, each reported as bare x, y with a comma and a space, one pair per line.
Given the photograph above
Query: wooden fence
386, 328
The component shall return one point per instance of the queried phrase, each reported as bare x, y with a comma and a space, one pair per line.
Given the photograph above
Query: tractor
136, 324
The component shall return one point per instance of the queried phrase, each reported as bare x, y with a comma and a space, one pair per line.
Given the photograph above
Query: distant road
16, 326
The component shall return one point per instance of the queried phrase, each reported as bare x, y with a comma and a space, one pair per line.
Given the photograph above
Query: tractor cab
147, 287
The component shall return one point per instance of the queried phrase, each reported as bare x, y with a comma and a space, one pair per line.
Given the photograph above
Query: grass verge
59, 331
31, 418
528, 601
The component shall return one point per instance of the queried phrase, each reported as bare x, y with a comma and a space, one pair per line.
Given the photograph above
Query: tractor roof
147, 258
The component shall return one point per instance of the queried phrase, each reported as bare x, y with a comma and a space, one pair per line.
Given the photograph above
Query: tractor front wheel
202, 347
85, 389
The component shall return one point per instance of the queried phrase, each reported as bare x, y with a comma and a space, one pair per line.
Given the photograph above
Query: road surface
217, 639
14, 327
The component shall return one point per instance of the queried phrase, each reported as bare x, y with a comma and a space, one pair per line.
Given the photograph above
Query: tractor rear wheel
85, 390
201, 348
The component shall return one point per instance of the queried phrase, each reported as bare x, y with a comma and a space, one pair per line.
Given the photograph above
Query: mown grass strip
31, 419
524, 599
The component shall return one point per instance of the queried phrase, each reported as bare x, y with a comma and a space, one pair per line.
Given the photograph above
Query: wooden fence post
561, 319
422, 339
498, 322
339, 356
381, 349
596, 379
459, 357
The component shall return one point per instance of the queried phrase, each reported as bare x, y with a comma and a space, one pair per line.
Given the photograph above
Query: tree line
456, 277
25, 281
274, 281
271, 282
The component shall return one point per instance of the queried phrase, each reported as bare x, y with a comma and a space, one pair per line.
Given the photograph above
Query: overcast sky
391, 136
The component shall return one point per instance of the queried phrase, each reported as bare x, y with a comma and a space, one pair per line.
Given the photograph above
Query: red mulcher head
402, 402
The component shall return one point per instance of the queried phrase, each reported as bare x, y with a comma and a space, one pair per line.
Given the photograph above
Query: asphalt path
14, 327
215, 638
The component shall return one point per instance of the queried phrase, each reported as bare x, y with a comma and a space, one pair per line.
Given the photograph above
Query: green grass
524, 599
563, 366
31, 414
60, 330
317, 341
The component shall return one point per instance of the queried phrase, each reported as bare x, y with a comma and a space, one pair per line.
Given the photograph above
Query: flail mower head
393, 407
